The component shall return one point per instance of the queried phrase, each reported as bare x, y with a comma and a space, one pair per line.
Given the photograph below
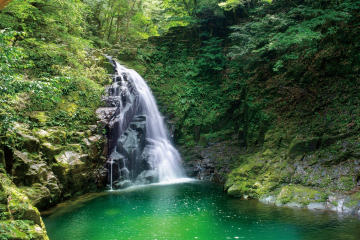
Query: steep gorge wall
287, 135
44, 166
51, 155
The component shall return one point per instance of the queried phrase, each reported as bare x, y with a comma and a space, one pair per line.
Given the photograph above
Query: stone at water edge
123, 184
147, 176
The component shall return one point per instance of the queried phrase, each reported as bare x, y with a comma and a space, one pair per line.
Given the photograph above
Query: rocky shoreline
264, 174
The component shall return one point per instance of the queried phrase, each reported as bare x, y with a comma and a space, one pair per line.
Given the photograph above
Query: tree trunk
3, 3
110, 28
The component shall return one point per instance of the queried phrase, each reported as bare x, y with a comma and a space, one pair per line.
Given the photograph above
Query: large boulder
50, 150
71, 171
58, 135
28, 143
38, 117
122, 184
19, 213
42, 135
147, 176
97, 143
41, 185
70, 159
146, 161
20, 167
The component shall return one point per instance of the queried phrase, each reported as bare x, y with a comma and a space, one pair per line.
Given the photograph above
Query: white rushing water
165, 158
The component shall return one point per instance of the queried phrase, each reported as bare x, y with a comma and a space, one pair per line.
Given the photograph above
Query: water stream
165, 158
190, 210
141, 151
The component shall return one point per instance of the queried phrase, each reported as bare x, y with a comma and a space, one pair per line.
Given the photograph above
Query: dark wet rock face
128, 149
137, 132
131, 160
210, 163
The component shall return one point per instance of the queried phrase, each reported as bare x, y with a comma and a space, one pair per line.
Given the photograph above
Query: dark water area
190, 210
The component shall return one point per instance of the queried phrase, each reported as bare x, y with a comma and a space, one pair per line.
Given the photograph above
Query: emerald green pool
190, 210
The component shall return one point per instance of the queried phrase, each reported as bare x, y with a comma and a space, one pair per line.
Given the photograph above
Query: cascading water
141, 151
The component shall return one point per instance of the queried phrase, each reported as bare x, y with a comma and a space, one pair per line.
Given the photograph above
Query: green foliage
45, 61
233, 4
10, 59
119, 21
283, 61
279, 32
189, 79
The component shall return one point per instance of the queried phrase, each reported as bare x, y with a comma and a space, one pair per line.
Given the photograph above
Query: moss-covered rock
58, 135
21, 229
19, 218
75, 148
97, 144
299, 195
27, 142
69, 159
42, 135
38, 194
38, 117
39, 184
352, 203
20, 167
71, 170
302, 146
50, 150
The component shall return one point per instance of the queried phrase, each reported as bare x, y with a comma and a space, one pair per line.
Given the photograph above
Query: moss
27, 142
301, 146
42, 135
300, 194
2, 159
354, 200
241, 188
74, 147
346, 182
69, 107
21, 229
38, 117
39, 195
50, 150
58, 135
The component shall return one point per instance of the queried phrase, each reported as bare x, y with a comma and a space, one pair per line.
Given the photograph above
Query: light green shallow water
192, 210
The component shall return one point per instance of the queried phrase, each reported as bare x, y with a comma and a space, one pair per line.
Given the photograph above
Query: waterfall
140, 146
